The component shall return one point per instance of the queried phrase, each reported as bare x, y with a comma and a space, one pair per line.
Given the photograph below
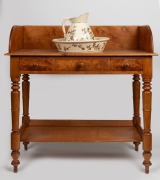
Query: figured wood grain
79, 64
128, 64
121, 37
37, 64
41, 36
63, 64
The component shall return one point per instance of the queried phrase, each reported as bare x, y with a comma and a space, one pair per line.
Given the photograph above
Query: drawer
79, 64
94, 64
37, 64
129, 64
63, 64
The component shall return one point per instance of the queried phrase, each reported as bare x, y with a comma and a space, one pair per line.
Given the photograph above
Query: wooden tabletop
54, 52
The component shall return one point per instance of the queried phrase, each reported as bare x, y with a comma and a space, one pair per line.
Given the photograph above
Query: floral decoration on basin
96, 45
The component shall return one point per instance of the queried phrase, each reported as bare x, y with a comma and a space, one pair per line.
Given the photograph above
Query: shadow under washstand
79, 150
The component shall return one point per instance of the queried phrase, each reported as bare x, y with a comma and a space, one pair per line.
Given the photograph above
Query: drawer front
37, 64
82, 64
129, 64
63, 64
91, 64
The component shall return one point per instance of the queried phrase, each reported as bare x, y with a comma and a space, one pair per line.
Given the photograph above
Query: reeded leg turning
136, 104
15, 135
147, 136
25, 95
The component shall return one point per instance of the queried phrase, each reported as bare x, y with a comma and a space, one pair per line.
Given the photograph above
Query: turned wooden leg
15, 135
136, 104
25, 96
147, 136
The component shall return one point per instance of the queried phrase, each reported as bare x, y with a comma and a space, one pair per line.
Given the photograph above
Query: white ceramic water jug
79, 29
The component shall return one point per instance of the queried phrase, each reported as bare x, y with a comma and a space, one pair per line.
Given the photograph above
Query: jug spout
80, 19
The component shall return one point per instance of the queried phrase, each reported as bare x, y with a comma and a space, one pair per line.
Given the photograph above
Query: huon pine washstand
129, 51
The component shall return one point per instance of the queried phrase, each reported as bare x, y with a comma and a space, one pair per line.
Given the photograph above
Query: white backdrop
78, 97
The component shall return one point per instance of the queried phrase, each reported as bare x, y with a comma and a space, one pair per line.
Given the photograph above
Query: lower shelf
80, 131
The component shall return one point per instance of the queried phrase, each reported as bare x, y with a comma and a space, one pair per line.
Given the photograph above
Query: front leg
147, 136
15, 135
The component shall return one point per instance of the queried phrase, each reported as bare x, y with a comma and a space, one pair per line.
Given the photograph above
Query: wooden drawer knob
126, 66
81, 64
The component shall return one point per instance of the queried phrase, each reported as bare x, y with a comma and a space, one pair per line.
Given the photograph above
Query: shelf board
80, 131
55, 52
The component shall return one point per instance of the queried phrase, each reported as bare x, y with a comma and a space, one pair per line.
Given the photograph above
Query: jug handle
63, 26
